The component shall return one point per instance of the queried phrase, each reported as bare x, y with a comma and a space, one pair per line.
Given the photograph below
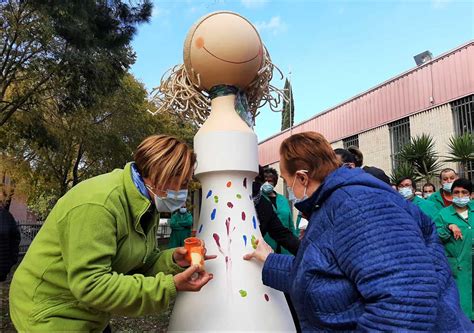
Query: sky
330, 50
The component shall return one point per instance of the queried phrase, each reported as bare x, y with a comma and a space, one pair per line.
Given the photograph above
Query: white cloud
253, 4
275, 25
440, 4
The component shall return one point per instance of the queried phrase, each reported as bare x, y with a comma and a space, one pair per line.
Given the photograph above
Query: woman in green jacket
96, 254
454, 225
181, 222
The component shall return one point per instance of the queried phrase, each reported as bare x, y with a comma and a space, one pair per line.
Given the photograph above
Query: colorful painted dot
243, 216
213, 214
238, 196
266, 297
216, 239
200, 228
253, 240
243, 293
216, 199
227, 225
229, 183
245, 182
230, 205
209, 194
245, 240
254, 220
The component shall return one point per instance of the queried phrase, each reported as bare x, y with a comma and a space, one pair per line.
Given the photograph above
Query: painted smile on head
200, 45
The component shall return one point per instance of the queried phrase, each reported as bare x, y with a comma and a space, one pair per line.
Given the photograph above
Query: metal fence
29, 231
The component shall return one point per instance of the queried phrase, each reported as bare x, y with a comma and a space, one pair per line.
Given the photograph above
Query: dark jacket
9, 242
377, 173
271, 224
369, 260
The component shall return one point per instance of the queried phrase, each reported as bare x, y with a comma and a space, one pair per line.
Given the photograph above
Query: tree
83, 43
403, 170
461, 150
421, 155
288, 113
49, 151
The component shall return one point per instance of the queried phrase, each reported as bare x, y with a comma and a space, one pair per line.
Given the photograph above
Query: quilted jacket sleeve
276, 271
380, 247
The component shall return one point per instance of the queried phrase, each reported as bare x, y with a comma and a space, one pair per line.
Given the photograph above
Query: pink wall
445, 78
20, 211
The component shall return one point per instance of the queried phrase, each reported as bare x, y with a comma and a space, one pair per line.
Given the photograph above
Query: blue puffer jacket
369, 260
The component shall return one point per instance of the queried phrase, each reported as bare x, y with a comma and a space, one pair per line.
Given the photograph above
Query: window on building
463, 112
399, 137
351, 141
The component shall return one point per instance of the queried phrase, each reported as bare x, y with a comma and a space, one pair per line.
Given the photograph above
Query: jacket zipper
144, 235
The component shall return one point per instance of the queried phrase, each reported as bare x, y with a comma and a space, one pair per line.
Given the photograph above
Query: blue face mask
183, 210
461, 202
267, 188
291, 194
172, 202
406, 192
447, 187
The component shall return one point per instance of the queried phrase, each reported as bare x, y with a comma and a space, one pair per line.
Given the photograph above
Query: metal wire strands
177, 94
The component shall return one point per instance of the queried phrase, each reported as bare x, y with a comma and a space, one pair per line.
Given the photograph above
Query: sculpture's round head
223, 48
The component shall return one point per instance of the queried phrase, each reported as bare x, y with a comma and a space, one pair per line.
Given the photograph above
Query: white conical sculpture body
236, 299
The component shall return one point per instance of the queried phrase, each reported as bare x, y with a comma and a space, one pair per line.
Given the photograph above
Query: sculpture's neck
223, 116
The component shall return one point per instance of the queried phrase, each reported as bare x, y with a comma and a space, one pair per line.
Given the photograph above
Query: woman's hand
456, 231
192, 279
261, 252
179, 256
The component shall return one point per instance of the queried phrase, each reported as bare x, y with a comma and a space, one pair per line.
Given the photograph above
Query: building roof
445, 78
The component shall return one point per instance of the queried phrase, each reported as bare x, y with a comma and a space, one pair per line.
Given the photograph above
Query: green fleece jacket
93, 258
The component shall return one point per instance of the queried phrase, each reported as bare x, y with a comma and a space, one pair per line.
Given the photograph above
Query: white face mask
172, 202
267, 188
291, 193
427, 195
461, 201
447, 187
406, 192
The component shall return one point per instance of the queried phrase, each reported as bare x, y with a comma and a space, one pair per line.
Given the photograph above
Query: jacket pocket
53, 305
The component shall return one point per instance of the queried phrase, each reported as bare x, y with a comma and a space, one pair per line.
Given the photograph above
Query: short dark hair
464, 183
446, 170
413, 182
359, 157
429, 184
272, 172
346, 156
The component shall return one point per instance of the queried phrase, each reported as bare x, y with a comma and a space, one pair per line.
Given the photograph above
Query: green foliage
461, 150
403, 170
421, 156
288, 113
50, 151
78, 47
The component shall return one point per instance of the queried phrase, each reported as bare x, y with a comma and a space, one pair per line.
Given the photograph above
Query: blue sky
334, 49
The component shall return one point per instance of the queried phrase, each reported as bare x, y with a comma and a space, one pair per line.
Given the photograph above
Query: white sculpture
224, 59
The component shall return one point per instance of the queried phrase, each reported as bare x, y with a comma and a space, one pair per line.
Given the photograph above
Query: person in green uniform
428, 190
96, 254
443, 198
406, 187
454, 225
281, 206
181, 222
